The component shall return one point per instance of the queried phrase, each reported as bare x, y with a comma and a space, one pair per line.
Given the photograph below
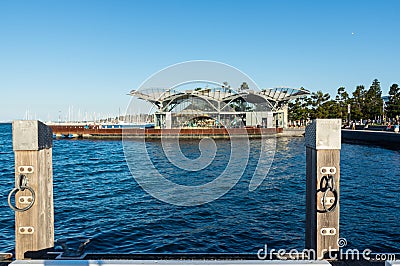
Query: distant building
385, 103
385, 100
219, 107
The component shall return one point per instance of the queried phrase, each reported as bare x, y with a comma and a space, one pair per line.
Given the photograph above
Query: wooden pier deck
127, 262
96, 132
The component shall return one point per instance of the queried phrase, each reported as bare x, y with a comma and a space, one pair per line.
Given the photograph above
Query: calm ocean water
95, 197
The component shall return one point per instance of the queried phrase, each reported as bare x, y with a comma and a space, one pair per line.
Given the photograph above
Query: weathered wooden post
323, 143
34, 214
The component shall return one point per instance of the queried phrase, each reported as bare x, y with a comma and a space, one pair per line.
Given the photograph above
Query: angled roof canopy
219, 97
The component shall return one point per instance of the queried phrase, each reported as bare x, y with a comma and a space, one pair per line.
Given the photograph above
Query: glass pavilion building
219, 107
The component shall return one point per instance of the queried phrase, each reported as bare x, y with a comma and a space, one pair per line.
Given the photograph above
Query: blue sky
90, 54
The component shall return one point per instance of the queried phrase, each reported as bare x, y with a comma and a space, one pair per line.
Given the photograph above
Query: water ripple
96, 197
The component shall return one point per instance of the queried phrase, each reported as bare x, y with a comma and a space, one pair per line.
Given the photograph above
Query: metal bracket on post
323, 143
25, 169
26, 230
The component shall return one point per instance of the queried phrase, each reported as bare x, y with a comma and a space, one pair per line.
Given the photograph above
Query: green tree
393, 106
358, 103
373, 101
241, 105
244, 86
298, 110
225, 85
331, 109
342, 100
365, 104
319, 105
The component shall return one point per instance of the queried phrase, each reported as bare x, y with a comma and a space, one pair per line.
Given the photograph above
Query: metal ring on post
333, 206
15, 190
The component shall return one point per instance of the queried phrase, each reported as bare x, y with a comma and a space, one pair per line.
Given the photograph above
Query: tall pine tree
358, 103
373, 101
393, 106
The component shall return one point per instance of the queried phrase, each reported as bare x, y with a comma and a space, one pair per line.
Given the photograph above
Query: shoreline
385, 139
375, 136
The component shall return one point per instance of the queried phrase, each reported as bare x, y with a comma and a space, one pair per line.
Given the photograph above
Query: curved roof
274, 97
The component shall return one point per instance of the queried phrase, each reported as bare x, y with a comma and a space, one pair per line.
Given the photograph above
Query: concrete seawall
382, 138
292, 132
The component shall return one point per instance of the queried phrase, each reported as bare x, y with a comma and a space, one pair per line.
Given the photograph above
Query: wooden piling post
323, 143
34, 227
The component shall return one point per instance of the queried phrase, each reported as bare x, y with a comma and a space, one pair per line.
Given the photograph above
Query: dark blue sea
96, 198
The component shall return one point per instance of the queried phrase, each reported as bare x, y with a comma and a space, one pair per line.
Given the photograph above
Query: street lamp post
349, 113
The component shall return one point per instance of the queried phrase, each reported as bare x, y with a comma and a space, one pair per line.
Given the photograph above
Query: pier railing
32, 197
